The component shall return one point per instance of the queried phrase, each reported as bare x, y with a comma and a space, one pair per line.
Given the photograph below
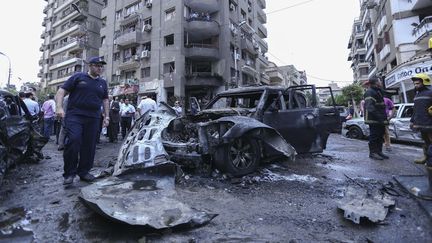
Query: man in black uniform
87, 92
422, 116
376, 118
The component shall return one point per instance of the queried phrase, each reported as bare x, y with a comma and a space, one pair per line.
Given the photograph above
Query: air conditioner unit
231, 6
149, 4
237, 56
145, 54
118, 72
147, 28
136, 57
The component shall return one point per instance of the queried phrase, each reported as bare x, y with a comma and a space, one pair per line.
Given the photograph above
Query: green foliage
339, 99
353, 91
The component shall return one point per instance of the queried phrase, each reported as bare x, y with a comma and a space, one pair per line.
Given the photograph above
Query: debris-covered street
287, 201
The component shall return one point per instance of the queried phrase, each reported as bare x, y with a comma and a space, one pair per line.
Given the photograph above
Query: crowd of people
199, 16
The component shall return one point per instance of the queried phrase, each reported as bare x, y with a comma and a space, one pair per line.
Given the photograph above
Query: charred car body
234, 132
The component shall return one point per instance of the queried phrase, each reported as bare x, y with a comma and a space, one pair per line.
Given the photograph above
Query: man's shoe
375, 156
87, 177
383, 155
68, 180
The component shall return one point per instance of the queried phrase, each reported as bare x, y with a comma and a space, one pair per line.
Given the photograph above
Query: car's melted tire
355, 132
238, 158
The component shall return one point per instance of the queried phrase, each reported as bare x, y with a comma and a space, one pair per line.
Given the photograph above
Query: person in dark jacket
422, 116
376, 118
114, 123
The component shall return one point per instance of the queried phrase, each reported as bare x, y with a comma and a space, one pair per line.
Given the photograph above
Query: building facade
70, 37
182, 48
286, 75
396, 40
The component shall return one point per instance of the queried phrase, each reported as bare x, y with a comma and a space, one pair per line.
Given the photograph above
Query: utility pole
10, 69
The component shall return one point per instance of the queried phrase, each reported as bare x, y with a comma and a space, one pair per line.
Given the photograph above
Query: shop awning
418, 64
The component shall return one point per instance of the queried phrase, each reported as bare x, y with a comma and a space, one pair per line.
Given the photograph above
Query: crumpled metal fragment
358, 203
143, 197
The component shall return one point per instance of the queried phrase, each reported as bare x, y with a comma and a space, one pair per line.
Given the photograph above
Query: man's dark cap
97, 60
21, 94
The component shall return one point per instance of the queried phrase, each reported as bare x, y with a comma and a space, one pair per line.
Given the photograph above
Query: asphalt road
283, 202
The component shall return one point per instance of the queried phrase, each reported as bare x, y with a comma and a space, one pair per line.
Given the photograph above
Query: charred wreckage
235, 131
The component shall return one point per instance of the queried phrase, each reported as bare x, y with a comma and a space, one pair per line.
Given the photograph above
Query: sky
312, 35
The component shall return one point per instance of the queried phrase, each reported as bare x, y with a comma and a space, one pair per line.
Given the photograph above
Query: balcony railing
384, 52
425, 27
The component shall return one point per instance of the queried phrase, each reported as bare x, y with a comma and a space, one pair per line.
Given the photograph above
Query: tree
339, 100
353, 93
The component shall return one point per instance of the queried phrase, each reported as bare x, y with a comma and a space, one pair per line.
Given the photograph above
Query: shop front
400, 77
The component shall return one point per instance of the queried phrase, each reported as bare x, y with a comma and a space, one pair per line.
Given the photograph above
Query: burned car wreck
234, 132
19, 140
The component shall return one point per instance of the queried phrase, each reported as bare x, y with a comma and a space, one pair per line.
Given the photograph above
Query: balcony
382, 24
264, 45
70, 46
384, 52
359, 34
262, 31
202, 52
72, 29
360, 49
66, 60
249, 68
262, 3
275, 75
129, 63
265, 78
130, 19
262, 17
250, 45
203, 79
263, 59
198, 29
129, 38
423, 30
209, 6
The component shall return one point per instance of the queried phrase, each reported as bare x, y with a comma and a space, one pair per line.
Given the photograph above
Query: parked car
234, 132
398, 128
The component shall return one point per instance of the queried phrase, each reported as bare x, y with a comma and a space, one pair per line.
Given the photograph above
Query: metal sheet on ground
359, 203
143, 198
417, 186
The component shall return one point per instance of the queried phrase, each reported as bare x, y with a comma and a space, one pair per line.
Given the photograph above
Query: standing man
376, 118
177, 108
113, 127
32, 105
146, 104
87, 93
48, 109
126, 112
422, 117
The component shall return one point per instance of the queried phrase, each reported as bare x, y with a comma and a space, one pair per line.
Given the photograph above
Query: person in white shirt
32, 105
127, 111
178, 108
146, 104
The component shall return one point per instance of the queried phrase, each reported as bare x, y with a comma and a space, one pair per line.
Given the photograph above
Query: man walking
376, 118
422, 117
87, 93
48, 109
146, 104
389, 107
127, 111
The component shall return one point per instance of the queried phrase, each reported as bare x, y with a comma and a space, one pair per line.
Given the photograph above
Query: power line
292, 6
312, 76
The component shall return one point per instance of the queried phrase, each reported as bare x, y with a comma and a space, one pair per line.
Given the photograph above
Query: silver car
399, 128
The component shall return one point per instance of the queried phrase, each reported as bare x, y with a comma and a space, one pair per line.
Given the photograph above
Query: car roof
251, 89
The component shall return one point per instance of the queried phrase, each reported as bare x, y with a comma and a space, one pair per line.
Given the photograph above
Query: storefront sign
406, 72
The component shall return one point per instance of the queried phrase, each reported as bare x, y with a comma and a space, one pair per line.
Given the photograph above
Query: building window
147, 46
169, 40
169, 67
118, 15
148, 21
232, 6
116, 56
243, 14
104, 21
170, 14
103, 40
145, 72
129, 53
133, 8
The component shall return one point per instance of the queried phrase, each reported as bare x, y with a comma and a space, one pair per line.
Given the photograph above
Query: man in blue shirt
87, 93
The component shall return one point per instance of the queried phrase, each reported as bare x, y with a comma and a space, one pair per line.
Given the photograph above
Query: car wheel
239, 157
355, 132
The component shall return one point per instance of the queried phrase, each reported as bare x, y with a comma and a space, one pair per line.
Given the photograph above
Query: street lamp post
10, 69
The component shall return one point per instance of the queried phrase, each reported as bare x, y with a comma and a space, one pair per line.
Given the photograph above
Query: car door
400, 125
297, 118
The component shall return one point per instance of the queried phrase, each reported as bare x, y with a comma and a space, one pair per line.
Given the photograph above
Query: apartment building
286, 75
183, 48
396, 35
71, 36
